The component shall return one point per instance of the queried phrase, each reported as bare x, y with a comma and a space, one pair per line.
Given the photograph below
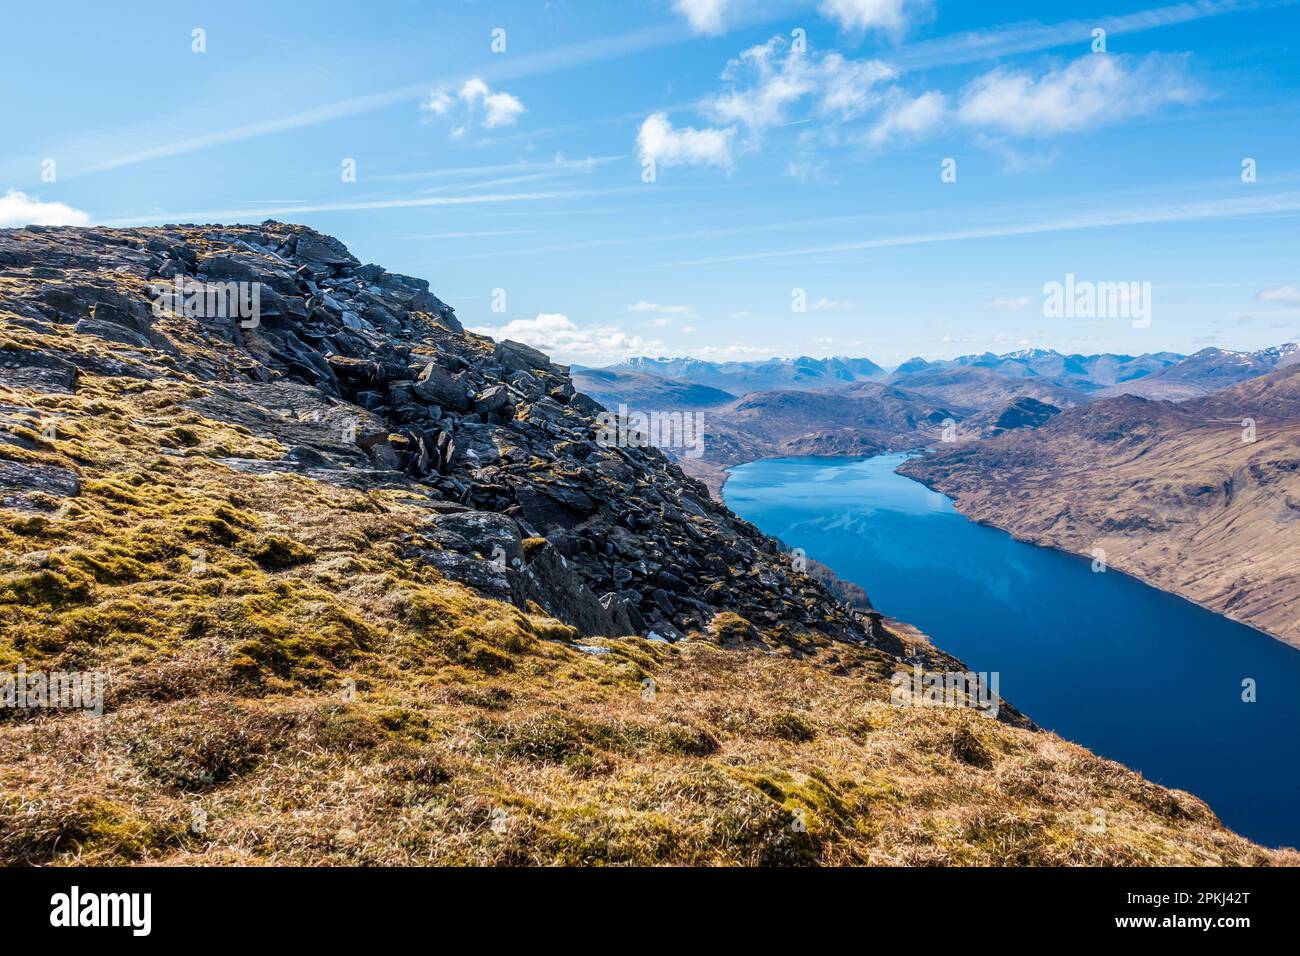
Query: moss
48, 587
42, 830
275, 553
792, 727
729, 627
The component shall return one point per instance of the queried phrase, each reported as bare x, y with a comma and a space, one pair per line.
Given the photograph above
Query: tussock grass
304, 694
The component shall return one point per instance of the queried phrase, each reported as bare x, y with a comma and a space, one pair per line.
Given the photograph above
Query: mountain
646, 391
1078, 373
1189, 496
971, 388
364, 588
1208, 371
740, 378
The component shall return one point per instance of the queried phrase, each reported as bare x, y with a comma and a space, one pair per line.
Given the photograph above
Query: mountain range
1139, 456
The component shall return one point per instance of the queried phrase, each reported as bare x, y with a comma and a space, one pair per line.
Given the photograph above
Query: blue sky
795, 146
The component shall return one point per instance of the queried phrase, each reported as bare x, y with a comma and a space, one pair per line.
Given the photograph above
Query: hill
1191, 497
366, 588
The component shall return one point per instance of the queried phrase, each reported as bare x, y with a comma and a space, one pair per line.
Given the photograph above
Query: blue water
1128, 671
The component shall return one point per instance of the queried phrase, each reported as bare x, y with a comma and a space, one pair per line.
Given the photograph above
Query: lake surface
1126, 670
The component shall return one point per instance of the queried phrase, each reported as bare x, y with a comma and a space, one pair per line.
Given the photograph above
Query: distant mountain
1081, 373
1208, 371
1183, 495
643, 391
742, 377
973, 387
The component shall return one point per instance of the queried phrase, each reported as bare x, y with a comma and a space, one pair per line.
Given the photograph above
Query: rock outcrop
370, 381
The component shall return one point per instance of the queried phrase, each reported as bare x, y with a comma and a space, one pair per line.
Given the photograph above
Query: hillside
1171, 492
974, 388
366, 588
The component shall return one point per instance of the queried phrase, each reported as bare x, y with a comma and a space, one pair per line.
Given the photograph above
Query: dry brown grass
314, 698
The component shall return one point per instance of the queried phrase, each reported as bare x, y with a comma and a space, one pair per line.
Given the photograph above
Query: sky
725, 179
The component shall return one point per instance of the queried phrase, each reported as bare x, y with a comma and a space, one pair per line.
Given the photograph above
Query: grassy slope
476, 733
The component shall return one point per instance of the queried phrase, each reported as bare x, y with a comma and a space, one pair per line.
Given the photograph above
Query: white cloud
558, 335
910, 117
643, 306
736, 352
764, 85
662, 322
890, 16
500, 109
830, 305
808, 170
848, 85
1010, 303
687, 329
1285, 294
1094, 89
704, 16
659, 141
438, 102
478, 103
767, 80
19, 209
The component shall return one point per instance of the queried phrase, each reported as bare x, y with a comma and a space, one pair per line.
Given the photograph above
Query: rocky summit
294, 569
368, 381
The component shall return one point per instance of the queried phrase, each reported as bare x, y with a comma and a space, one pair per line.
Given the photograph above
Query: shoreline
1023, 539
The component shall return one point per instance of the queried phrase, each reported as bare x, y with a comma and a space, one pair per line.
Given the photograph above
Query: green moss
43, 830
790, 727
48, 587
275, 553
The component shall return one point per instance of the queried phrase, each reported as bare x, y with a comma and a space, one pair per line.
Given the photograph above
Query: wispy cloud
644, 306
1010, 303
566, 57
973, 46
234, 215
957, 48
1091, 90
1266, 205
1283, 294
